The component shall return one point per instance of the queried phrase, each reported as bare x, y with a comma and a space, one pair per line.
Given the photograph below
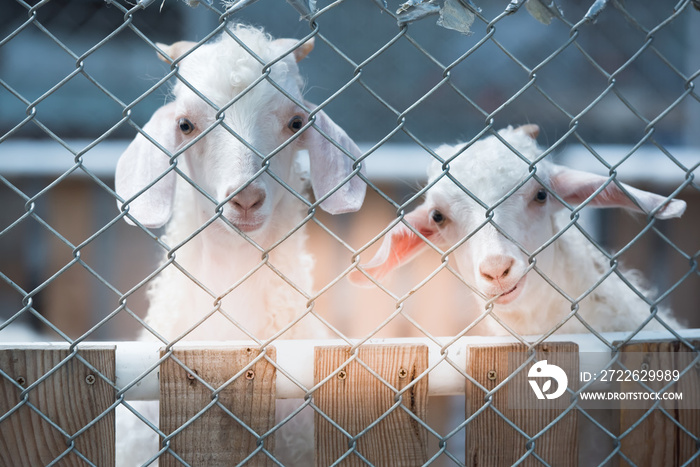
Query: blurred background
68, 70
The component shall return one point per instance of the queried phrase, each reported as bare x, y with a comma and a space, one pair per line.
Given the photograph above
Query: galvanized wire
491, 28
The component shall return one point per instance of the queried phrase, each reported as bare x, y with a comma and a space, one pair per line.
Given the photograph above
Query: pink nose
248, 200
495, 268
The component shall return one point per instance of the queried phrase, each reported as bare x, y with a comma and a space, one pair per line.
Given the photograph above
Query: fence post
491, 440
355, 399
41, 426
671, 445
194, 417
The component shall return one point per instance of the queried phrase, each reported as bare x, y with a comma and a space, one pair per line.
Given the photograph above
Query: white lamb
510, 260
235, 261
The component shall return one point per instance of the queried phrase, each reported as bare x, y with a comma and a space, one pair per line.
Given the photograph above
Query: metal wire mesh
610, 84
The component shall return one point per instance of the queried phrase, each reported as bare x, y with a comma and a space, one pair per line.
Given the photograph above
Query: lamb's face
234, 128
495, 258
234, 159
227, 163
505, 220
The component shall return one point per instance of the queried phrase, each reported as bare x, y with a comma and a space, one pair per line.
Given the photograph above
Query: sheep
528, 266
222, 168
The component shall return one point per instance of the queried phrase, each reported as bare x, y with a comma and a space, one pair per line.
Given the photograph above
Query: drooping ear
575, 186
142, 163
299, 52
174, 50
400, 246
330, 166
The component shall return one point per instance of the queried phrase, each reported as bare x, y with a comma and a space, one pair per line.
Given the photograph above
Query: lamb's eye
541, 196
185, 125
296, 123
437, 217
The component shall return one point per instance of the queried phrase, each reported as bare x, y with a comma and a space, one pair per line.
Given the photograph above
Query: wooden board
689, 385
214, 438
657, 439
72, 397
355, 399
490, 440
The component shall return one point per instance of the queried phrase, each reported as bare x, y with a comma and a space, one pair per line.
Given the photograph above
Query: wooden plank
355, 399
671, 446
689, 385
655, 426
215, 438
71, 397
490, 440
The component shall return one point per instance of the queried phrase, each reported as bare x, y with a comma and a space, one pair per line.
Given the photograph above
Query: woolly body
229, 186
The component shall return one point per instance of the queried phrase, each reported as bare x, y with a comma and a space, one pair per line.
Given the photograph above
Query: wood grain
356, 399
490, 440
66, 397
214, 438
657, 439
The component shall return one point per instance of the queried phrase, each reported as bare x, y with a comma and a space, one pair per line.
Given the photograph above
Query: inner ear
575, 187
175, 50
300, 52
399, 246
529, 129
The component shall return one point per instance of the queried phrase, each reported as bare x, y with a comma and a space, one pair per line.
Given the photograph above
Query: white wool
222, 68
239, 288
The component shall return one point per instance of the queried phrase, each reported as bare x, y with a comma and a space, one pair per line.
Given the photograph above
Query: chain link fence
288, 169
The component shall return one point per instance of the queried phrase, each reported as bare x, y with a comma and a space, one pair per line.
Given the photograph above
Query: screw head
342, 374
21, 381
492, 375
403, 372
190, 376
644, 366
90, 379
250, 374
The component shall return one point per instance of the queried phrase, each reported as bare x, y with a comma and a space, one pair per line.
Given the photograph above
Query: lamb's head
498, 212
234, 128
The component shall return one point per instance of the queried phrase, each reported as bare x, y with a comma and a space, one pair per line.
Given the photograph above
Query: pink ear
330, 165
300, 51
400, 246
575, 187
141, 164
